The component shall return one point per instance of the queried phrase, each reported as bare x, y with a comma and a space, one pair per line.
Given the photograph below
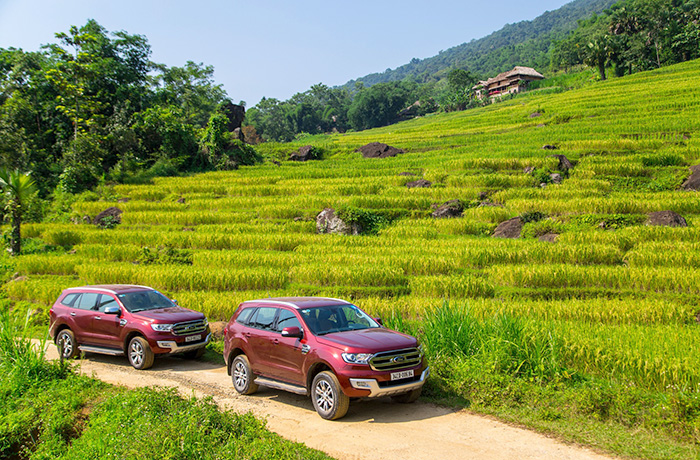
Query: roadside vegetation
49, 411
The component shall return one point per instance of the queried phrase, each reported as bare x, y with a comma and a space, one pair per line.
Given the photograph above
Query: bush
369, 222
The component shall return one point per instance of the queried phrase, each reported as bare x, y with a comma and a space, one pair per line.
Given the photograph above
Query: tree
18, 188
598, 53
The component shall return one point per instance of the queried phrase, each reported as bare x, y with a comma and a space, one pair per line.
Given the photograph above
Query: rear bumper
375, 391
172, 347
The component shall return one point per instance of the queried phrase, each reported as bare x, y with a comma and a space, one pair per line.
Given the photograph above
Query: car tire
66, 344
327, 397
406, 398
242, 376
139, 353
195, 354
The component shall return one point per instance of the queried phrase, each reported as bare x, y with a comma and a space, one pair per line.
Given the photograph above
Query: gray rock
556, 178
564, 163
693, 182
452, 208
328, 222
549, 147
529, 170
549, 237
378, 150
511, 228
305, 153
420, 183
666, 218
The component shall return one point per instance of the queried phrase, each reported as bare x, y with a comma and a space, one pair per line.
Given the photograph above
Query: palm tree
18, 188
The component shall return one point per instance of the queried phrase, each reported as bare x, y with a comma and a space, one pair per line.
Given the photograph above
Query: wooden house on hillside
510, 82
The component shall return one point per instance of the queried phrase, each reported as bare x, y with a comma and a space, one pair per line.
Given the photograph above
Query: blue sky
274, 48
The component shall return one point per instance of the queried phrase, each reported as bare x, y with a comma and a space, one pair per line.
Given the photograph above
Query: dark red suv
123, 319
326, 348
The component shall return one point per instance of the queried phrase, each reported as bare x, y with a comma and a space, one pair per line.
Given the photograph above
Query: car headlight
161, 327
357, 358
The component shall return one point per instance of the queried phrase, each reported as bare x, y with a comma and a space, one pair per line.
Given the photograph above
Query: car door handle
98, 317
247, 334
72, 313
276, 341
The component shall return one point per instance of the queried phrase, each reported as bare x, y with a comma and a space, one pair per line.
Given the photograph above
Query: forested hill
523, 43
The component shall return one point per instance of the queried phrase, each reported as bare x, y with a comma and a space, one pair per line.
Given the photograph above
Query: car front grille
190, 327
396, 359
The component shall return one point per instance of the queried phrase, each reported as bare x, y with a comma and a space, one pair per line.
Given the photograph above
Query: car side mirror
113, 311
379, 320
292, 331
174, 301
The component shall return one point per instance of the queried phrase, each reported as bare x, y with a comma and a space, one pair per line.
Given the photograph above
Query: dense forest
93, 107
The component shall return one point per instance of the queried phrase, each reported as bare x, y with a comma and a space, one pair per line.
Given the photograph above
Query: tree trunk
15, 235
601, 70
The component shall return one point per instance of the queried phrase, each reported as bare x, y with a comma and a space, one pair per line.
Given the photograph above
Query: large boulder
108, 218
452, 208
305, 153
328, 222
564, 163
549, 237
378, 150
235, 114
667, 219
420, 183
510, 228
693, 182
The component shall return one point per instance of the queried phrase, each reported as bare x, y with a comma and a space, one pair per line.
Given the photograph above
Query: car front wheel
67, 346
140, 353
328, 398
242, 376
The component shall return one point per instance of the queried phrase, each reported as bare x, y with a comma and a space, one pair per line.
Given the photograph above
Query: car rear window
244, 315
69, 300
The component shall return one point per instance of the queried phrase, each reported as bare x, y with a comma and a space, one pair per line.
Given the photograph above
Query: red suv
123, 319
326, 348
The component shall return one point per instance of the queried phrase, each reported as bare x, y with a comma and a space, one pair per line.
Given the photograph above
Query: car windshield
337, 318
144, 300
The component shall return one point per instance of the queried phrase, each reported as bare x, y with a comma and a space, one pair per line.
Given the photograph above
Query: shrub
370, 222
64, 238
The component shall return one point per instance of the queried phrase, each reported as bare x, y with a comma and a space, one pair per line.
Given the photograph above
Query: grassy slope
621, 301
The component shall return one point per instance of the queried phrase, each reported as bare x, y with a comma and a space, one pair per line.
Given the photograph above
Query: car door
286, 357
106, 328
82, 313
259, 335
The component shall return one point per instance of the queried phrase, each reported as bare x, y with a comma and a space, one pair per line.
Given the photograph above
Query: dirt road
377, 429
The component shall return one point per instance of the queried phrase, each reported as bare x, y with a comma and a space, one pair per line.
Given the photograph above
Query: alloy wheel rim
240, 375
136, 354
67, 345
324, 395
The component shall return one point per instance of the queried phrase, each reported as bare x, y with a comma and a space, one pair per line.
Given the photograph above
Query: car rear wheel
67, 346
242, 376
140, 353
328, 398
409, 397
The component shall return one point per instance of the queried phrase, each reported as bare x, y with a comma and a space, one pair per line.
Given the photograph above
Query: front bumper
174, 347
375, 391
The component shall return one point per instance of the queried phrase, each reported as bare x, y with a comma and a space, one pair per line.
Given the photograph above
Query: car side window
69, 300
264, 318
287, 318
244, 316
87, 301
106, 301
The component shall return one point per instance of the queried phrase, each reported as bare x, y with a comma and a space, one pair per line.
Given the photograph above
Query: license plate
193, 338
401, 375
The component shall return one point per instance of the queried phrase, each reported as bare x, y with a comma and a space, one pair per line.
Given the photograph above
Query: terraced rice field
623, 298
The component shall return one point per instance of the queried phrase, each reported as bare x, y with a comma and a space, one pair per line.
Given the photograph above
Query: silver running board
101, 350
281, 386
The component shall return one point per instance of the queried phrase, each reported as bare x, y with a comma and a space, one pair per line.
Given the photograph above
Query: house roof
517, 70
